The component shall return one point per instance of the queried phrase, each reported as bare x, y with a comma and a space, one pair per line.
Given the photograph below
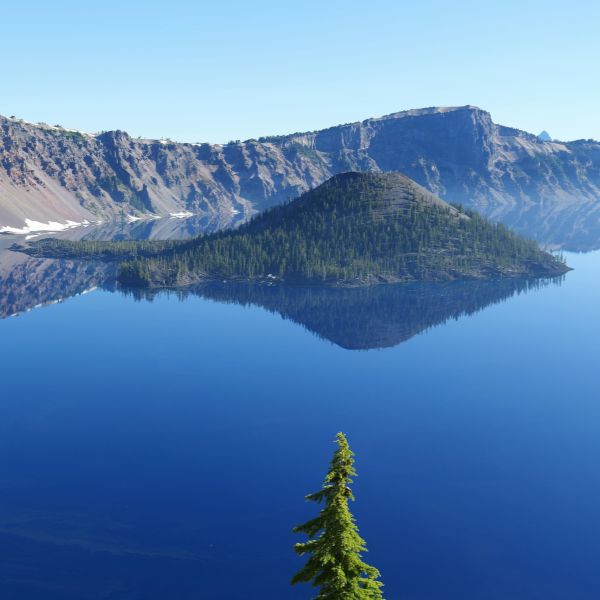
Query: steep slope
49, 173
355, 229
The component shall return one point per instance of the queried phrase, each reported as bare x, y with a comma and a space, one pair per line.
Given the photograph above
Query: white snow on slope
35, 226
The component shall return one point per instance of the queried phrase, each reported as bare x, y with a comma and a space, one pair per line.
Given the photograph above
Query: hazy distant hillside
549, 189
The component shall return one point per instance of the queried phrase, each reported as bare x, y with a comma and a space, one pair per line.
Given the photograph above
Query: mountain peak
49, 174
389, 192
431, 110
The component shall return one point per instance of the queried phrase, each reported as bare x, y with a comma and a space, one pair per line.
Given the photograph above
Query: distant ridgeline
354, 229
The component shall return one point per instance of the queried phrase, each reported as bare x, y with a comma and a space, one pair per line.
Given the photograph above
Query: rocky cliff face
550, 190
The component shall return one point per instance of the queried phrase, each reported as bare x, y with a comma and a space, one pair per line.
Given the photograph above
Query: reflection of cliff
151, 229
574, 227
374, 317
26, 283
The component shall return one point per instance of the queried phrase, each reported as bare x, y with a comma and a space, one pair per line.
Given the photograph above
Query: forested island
355, 229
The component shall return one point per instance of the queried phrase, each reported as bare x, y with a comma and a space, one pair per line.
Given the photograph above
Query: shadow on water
365, 318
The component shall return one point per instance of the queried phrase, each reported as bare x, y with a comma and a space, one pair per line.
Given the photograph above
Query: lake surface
161, 447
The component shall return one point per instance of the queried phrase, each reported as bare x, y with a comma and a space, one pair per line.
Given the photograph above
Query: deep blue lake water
162, 449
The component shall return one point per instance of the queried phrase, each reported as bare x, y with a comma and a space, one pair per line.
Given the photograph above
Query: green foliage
355, 228
103, 251
335, 548
351, 229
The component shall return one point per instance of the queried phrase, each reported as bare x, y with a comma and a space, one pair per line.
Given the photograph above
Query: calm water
162, 449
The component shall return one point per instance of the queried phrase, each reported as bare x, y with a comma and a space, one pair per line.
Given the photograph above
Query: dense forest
354, 229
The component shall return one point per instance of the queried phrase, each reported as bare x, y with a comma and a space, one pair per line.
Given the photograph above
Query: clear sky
221, 70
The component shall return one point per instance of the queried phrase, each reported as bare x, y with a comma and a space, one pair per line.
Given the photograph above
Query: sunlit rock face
547, 189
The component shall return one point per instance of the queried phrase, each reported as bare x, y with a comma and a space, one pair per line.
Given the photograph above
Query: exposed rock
547, 189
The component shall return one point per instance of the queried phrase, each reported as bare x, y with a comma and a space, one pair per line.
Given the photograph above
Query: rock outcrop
548, 189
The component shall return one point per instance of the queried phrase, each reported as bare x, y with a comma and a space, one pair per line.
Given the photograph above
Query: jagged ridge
458, 153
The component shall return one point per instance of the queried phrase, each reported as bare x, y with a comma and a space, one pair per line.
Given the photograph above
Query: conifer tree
335, 564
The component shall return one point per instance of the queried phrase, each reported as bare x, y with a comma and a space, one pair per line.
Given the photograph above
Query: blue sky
215, 71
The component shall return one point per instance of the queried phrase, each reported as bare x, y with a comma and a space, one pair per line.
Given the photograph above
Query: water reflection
27, 283
121, 432
365, 318
554, 224
353, 318
154, 229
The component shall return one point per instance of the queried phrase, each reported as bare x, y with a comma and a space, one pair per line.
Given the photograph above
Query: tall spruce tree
335, 548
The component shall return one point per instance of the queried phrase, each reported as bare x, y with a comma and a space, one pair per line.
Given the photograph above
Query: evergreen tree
335, 547
355, 228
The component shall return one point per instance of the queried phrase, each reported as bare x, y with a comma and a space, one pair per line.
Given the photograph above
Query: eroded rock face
534, 185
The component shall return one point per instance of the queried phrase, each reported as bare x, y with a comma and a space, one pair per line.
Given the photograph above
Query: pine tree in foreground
335, 548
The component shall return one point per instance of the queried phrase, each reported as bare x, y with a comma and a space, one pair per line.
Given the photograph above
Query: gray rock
547, 189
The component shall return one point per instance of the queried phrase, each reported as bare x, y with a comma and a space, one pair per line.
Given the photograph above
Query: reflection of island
370, 317
354, 318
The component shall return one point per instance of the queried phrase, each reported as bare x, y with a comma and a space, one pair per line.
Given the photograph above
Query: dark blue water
162, 449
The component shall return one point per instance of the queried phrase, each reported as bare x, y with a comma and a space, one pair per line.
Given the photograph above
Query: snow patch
52, 127
149, 217
181, 215
36, 226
